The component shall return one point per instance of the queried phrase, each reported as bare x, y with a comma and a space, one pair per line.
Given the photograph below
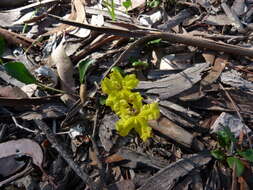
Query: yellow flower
128, 105
124, 102
139, 122
116, 83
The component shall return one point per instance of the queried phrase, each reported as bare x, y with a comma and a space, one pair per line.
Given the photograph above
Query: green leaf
102, 100
225, 137
19, 71
235, 162
247, 154
127, 4
2, 45
153, 3
218, 154
140, 64
83, 67
156, 41
109, 4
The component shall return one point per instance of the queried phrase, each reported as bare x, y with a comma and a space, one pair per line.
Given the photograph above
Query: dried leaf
64, 68
22, 147
219, 65
12, 92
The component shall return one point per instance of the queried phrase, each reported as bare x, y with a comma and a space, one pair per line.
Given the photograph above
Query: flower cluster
128, 105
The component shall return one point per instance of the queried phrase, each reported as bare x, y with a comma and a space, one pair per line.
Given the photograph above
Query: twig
21, 127
99, 163
95, 124
174, 38
66, 156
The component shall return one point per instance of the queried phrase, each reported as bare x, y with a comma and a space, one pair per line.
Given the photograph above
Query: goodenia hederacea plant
139, 121
128, 105
117, 82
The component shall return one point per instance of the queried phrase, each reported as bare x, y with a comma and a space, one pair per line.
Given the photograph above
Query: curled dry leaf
22, 147
64, 68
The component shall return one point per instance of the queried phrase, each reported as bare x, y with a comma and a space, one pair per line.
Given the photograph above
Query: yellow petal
130, 82
150, 111
143, 129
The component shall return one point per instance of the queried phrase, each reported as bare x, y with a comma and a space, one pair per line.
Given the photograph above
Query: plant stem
50, 88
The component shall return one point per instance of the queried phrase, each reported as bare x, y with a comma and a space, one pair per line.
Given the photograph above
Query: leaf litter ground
194, 58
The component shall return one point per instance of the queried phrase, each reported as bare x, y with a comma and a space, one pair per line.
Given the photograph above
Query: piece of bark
217, 20
166, 178
233, 78
174, 84
239, 7
171, 115
178, 19
177, 133
232, 15
122, 185
219, 65
179, 108
191, 181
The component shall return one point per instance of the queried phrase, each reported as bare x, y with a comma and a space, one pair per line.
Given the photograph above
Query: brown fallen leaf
12, 92
64, 68
219, 65
10, 165
22, 147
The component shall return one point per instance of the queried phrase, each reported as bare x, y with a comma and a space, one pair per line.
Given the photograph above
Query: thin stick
21, 127
65, 155
174, 38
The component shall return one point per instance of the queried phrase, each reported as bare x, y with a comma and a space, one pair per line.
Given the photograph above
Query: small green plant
156, 41
225, 152
83, 68
127, 4
140, 64
153, 3
109, 4
128, 105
